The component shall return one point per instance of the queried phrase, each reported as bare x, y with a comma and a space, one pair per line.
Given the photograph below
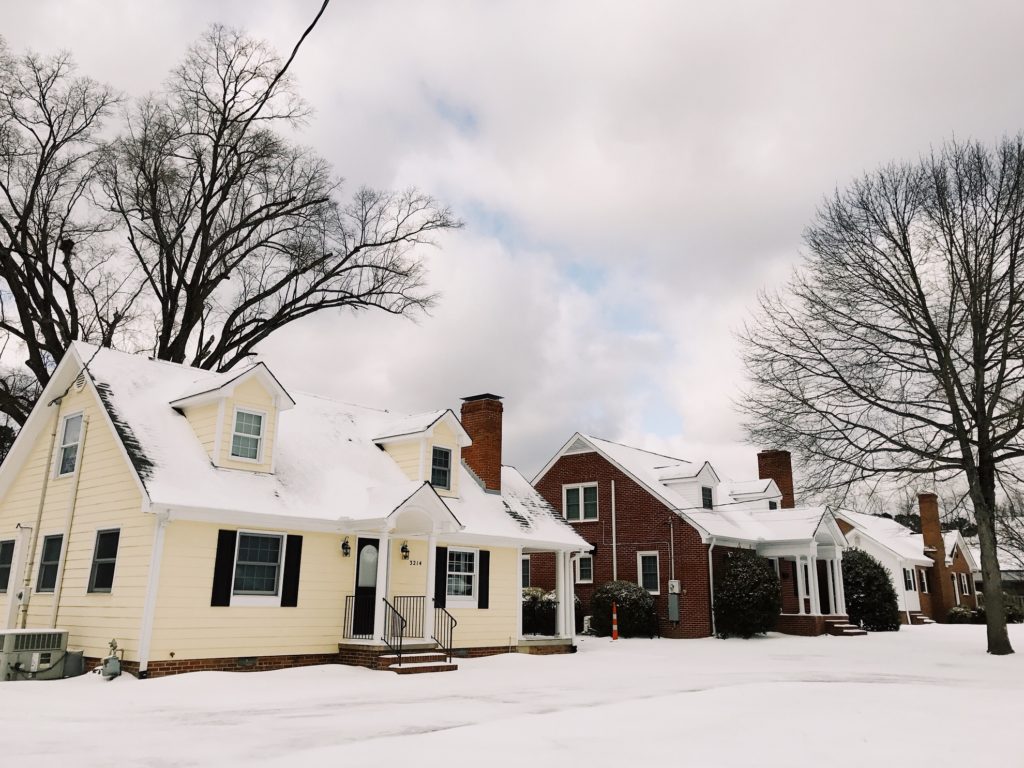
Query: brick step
387, 660
416, 668
842, 628
918, 619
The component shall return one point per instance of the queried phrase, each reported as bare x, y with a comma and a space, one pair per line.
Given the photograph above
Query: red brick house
932, 571
669, 525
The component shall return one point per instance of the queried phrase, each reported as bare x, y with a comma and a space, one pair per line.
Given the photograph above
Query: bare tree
897, 349
57, 283
239, 231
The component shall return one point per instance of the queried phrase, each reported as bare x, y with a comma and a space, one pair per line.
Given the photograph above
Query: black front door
367, 552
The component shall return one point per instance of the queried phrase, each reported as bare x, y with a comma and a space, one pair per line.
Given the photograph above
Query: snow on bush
960, 614
635, 609
870, 596
748, 599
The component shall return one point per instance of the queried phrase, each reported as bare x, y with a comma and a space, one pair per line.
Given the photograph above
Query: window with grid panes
247, 436
461, 573
441, 468
70, 438
101, 577
258, 564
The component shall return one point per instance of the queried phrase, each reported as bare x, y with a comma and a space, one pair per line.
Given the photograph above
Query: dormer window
441, 468
707, 499
247, 437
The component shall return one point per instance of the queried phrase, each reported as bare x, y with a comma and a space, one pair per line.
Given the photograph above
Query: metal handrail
444, 631
394, 628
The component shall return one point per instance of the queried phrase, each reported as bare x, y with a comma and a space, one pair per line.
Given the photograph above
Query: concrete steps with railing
416, 663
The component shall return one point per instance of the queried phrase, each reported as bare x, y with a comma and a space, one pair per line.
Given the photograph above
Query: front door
366, 587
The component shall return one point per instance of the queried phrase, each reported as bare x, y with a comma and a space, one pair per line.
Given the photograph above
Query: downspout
152, 588
711, 584
26, 589
615, 546
906, 603
66, 540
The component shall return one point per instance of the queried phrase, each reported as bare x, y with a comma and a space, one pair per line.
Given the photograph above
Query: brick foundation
805, 626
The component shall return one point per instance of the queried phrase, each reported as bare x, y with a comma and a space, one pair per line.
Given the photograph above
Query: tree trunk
983, 494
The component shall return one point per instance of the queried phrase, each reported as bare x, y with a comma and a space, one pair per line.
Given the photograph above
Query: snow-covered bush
540, 611
748, 599
635, 607
1014, 615
870, 596
960, 614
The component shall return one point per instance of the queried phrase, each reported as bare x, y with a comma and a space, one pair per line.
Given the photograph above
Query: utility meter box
675, 587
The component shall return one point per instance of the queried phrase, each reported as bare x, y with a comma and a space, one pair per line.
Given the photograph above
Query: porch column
383, 556
830, 572
812, 566
560, 592
840, 590
428, 601
801, 585
570, 598
519, 595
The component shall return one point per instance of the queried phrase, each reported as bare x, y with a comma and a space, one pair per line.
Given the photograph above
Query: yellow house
214, 521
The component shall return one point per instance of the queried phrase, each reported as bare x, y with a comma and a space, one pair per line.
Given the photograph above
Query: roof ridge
634, 448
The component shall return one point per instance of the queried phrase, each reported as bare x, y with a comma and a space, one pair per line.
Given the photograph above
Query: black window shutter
483, 599
441, 578
290, 580
223, 568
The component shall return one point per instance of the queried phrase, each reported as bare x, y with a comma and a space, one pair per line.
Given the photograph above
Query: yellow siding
496, 625
407, 456
187, 626
108, 497
409, 577
251, 395
203, 420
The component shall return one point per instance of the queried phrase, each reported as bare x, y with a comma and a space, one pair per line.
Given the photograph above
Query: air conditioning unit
32, 654
675, 587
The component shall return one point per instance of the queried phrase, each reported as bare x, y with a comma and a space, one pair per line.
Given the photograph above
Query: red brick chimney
481, 418
942, 597
778, 466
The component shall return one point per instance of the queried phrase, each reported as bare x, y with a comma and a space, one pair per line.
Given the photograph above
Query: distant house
1011, 569
217, 521
670, 525
931, 571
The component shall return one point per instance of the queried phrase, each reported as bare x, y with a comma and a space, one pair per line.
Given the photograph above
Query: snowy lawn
777, 701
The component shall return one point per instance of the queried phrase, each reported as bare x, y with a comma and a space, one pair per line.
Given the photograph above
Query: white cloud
631, 174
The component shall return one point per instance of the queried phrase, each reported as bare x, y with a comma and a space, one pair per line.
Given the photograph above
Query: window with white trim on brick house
648, 575
923, 581
525, 573
579, 502
585, 569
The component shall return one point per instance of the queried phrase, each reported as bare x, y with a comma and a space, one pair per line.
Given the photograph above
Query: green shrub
960, 615
635, 608
870, 596
540, 611
748, 600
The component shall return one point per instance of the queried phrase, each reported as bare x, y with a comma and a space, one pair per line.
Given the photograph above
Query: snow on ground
774, 701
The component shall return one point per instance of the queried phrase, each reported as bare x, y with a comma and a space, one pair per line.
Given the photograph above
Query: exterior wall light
346, 548
405, 550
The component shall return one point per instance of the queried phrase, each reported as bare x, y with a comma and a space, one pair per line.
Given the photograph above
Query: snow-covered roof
209, 384
327, 466
899, 539
418, 423
1010, 563
653, 470
749, 489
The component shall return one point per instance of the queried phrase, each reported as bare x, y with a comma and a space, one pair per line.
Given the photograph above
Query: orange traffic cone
615, 622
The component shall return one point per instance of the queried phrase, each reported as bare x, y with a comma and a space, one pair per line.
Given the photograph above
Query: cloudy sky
631, 174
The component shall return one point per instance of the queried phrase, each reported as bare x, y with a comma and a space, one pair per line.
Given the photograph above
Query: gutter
615, 545
58, 588
26, 589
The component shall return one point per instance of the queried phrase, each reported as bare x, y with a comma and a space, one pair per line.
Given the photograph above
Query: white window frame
262, 437
39, 562
579, 557
597, 502
640, 569
463, 601
261, 601
90, 585
923, 581
910, 579
4, 588
451, 466
528, 574
61, 445
964, 585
